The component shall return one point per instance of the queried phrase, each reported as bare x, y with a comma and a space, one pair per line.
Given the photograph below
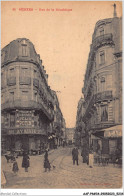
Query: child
15, 166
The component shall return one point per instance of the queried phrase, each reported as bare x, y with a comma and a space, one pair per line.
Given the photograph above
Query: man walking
75, 155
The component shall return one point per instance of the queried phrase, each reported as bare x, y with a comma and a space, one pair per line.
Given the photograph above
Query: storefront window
12, 119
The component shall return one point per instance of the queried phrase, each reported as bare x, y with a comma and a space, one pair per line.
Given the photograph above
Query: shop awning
113, 132
93, 137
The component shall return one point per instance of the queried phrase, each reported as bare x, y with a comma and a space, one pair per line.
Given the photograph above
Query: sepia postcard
61, 95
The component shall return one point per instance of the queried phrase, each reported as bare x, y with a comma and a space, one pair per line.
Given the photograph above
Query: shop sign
113, 133
25, 131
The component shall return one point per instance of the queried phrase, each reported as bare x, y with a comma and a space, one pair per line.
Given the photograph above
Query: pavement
63, 173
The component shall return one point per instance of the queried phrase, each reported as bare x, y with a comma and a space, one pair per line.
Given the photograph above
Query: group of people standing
47, 165
87, 158
25, 163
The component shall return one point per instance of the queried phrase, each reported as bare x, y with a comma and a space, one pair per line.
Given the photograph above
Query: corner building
103, 88
27, 104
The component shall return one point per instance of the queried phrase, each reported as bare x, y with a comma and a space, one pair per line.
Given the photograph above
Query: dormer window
101, 31
24, 50
102, 57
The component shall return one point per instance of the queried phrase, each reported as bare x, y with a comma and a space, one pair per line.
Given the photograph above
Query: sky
62, 38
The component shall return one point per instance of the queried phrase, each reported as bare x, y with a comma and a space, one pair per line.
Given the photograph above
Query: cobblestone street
64, 175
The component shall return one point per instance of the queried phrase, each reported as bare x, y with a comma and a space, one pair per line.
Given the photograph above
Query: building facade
103, 88
80, 131
58, 123
70, 135
27, 102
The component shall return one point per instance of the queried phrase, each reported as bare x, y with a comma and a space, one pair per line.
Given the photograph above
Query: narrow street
64, 175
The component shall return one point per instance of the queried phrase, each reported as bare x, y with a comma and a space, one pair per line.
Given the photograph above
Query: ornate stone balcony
102, 40
30, 104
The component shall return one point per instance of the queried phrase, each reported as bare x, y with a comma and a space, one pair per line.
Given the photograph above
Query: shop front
23, 139
114, 136
107, 144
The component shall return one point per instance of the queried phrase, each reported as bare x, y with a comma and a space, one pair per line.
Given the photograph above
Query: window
24, 50
104, 113
35, 96
2, 80
35, 73
2, 118
2, 100
24, 71
109, 82
103, 84
101, 31
11, 71
11, 94
102, 57
3, 56
2, 77
25, 95
12, 119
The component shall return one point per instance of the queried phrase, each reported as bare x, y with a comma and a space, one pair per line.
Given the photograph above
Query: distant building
102, 103
70, 135
27, 102
57, 136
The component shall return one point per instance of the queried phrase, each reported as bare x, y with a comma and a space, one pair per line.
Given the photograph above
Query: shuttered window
110, 112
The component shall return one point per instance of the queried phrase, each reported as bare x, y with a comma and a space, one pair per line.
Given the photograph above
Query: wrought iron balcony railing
103, 96
30, 104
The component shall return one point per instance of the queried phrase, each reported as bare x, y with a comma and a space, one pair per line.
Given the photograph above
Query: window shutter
110, 112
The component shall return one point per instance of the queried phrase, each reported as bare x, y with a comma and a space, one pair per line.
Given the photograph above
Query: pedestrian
25, 161
3, 179
83, 154
15, 166
91, 158
75, 155
46, 161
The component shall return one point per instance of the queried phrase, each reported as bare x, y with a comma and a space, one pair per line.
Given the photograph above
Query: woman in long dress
46, 161
15, 166
25, 162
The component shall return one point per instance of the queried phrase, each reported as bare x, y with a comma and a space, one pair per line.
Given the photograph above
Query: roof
14, 52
